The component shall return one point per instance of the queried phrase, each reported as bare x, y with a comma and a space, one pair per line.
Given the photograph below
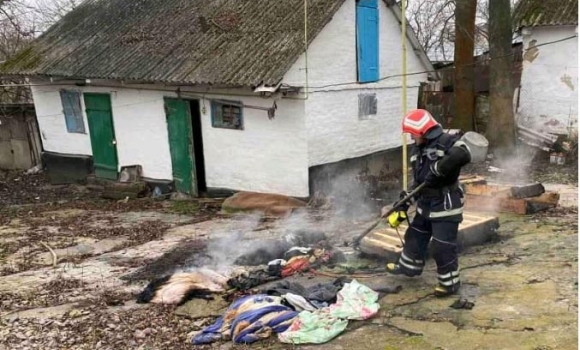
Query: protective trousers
417, 237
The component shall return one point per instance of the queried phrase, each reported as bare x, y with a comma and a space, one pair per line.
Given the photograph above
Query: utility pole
465, 11
501, 128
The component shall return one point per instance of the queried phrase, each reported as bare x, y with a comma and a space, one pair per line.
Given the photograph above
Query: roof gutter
396, 10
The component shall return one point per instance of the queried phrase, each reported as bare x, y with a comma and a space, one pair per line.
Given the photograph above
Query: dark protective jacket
438, 162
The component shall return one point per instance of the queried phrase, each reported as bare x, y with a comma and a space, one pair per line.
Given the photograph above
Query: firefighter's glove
396, 218
405, 205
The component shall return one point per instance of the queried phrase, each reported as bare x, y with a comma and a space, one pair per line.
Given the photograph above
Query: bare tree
21, 21
464, 65
501, 125
482, 25
16, 31
49, 12
433, 23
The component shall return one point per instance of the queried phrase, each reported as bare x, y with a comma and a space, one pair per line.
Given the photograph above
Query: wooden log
520, 206
132, 187
117, 195
543, 202
527, 191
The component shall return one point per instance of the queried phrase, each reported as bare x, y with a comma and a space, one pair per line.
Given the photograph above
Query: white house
218, 95
548, 98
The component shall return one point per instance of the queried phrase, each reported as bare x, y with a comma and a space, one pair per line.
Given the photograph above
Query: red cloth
298, 264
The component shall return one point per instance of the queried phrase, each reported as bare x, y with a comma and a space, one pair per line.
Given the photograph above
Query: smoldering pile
267, 261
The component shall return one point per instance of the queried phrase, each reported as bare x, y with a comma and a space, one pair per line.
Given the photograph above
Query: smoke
353, 197
230, 243
515, 164
253, 241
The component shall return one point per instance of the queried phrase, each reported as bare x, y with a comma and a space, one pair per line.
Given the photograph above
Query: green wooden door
103, 143
181, 145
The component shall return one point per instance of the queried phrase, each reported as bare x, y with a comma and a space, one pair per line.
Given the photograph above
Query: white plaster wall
139, 123
549, 86
334, 129
267, 156
52, 125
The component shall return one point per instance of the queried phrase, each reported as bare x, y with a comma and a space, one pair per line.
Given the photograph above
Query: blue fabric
212, 333
264, 305
254, 319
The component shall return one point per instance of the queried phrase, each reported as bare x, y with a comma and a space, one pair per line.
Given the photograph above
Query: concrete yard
523, 283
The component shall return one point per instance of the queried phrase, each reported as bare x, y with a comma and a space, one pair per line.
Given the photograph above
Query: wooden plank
495, 205
498, 191
385, 242
472, 179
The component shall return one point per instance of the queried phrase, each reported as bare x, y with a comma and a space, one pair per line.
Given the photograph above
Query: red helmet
418, 121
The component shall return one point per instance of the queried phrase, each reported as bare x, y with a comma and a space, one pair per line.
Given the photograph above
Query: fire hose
356, 243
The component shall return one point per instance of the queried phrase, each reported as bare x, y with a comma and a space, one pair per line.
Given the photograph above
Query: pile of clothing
296, 314
183, 286
354, 302
294, 260
310, 299
249, 319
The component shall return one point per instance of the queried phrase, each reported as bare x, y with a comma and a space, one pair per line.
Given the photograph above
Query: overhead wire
449, 67
318, 88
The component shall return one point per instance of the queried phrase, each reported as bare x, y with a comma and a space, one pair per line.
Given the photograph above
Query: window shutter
71, 105
367, 13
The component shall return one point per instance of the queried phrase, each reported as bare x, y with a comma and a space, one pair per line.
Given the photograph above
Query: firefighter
437, 160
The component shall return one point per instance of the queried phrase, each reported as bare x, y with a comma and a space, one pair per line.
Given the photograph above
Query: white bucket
478, 145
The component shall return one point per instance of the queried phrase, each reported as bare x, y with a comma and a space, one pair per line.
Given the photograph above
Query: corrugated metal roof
531, 13
222, 42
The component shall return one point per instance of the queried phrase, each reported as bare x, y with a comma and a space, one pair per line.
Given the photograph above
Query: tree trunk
464, 77
501, 129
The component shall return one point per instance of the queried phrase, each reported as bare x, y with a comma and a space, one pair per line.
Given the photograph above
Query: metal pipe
306, 49
404, 86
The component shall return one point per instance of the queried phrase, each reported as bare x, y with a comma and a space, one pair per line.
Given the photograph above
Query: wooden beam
483, 203
385, 242
521, 206
496, 191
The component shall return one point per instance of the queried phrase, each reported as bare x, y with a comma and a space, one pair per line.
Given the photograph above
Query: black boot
398, 269
442, 291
